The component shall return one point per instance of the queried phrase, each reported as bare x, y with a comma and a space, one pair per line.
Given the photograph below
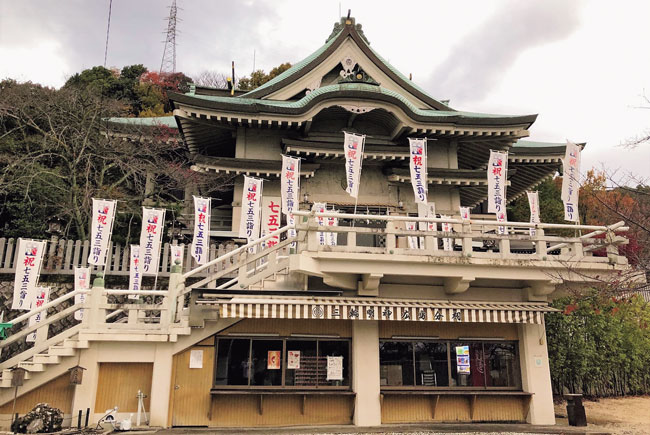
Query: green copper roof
341, 90
168, 121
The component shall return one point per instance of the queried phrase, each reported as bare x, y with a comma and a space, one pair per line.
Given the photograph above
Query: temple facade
357, 311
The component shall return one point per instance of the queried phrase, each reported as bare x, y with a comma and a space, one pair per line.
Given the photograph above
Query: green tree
551, 207
259, 77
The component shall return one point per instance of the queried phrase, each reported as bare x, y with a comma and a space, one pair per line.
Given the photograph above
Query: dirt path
621, 416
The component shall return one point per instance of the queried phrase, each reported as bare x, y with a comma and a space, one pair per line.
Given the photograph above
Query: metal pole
13, 409
87, 416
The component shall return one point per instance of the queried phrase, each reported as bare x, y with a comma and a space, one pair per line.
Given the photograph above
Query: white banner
497, 174
176, 253
290, 184
135, 273
271, 219
423, 212
102, 228
533, 203
251, 202
153, 221
290, 190
81, 282
332, 237
502, 217
41, 298
353, 149
571, 182
28, 268
418, 166
431, 213
412, 240
447, 243
320, 207
201, 240
464, 213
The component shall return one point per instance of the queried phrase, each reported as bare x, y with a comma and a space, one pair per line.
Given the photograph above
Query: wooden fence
61, 257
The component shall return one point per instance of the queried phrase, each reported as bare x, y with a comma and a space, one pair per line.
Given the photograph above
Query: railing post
540, 244
611, 248
467, 239
176, 286
504, 246
96, 316
391, 242
312, 234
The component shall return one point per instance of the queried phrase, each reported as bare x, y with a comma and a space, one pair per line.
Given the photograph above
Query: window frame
448, 343
283, 368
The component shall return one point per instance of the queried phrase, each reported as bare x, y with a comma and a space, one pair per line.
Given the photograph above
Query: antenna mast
168, 63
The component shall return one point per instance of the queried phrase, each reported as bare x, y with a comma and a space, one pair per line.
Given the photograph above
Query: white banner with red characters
41, 298
290, 190
320, 207
153, 220
497, 174
571, 181
464, 213
81, 282
271, 219
201, 240
533, 203
353, 149
135, 271
176, 253
251, 204
28, 268
101, 230
502, 217
447, 243
418, 165
332, 237
412, 240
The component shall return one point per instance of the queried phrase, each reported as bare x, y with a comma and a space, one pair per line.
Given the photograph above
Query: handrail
238, 250
136, 292
48, 305
452, 221
617, 226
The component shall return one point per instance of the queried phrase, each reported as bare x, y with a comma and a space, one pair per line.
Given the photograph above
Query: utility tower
168, 63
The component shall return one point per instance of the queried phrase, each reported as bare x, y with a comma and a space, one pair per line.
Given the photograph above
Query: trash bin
575, 411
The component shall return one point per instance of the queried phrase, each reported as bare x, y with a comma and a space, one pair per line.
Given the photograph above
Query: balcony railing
372, 234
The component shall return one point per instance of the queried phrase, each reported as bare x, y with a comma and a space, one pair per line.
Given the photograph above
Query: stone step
31, 367
46, 358
74, 343
61, 350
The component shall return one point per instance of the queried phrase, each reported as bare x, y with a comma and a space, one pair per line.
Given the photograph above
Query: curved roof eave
313, 60
347, 92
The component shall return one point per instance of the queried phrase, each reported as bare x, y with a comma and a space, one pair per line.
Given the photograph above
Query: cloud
478, 61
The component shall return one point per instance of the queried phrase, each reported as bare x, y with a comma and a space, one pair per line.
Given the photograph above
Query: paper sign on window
293, 359
462, 359
196, 359
334, 368
273, 360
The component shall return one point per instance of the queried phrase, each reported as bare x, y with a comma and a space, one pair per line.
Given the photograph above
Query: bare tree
212, 79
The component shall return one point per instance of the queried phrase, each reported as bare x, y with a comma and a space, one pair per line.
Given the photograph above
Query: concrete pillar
535, 373
85, 394
365, 372
160, 385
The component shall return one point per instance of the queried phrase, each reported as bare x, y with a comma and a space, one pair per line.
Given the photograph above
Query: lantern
18, 377
76, 375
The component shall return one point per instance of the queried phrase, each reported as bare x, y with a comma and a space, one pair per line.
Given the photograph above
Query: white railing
62, 256
470, 238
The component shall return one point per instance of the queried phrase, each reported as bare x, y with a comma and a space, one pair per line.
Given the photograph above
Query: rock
42, 419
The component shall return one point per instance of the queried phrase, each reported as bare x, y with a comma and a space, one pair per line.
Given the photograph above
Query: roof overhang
251, 167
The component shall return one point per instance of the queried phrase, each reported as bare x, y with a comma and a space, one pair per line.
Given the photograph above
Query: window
449, 364
303, 363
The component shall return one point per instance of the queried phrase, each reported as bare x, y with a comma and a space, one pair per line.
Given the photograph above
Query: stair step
75, 343
45, 359
61, 350
31, 367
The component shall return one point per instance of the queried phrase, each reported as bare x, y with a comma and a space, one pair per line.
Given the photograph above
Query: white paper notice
293, 359
334, 368
196, 359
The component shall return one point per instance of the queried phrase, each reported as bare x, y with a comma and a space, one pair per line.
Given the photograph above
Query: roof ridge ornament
347, 21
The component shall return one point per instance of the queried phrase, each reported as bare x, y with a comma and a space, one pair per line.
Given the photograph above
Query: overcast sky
581, 65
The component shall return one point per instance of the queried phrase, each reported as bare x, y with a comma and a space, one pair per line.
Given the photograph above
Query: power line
108, 28
168, 63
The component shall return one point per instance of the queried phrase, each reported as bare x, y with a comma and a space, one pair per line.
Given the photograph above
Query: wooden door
191, 399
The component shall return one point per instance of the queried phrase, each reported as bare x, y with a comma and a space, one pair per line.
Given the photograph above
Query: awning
250, 307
